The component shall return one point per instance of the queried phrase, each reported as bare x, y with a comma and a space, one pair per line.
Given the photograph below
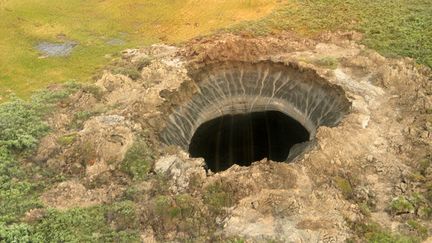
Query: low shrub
375, 233
82, 225
344, 186
21, 125
328, 62
401, 205
138, 160
419, 229
130, 72
217, 198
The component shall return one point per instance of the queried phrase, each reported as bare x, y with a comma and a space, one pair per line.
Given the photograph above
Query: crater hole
244, 138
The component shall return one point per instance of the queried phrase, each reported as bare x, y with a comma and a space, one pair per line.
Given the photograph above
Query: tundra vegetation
394, 28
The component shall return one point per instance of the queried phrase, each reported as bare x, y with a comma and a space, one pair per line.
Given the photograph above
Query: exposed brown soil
370, 158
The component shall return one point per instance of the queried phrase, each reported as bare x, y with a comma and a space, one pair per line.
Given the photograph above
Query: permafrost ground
368, 118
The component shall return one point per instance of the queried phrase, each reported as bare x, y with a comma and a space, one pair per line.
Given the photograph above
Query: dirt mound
352, 173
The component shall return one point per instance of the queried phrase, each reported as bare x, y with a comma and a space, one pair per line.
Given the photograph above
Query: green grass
92, 23
137, 162
328, 62
92, 224
217, 197
67, 139
372, 232
392, 27
401, 205
419, 229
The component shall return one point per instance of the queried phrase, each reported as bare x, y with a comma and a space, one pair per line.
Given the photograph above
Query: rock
180, 169
105, 139
163, 164
110, 120
402, 188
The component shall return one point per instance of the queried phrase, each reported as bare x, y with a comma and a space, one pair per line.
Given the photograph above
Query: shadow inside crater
244, 138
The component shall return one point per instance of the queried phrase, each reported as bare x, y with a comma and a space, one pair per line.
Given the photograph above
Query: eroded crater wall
240, 87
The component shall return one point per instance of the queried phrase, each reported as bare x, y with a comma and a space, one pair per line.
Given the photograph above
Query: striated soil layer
369, 120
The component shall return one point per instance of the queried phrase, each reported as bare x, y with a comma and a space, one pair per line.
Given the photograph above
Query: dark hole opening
244, 138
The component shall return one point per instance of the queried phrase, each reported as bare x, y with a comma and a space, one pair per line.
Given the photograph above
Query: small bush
374, 233
419, 229
123, 215
186, 204
178, 207
364, 209
166, 208
15, 233
424, 164
387, 237
82, 225
130, 72
401, 205
240, 240
138, 160
21, 122
44, 100
425, 212
143, 62
21, 125
181, 213
94, 90
67, 139
217, 198
17, 195
344, 186
428, 194
328, 62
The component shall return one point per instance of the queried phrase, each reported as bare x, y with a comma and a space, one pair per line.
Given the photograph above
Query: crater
244, 138
244, 112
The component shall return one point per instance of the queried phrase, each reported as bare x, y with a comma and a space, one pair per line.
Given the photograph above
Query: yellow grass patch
92, 23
